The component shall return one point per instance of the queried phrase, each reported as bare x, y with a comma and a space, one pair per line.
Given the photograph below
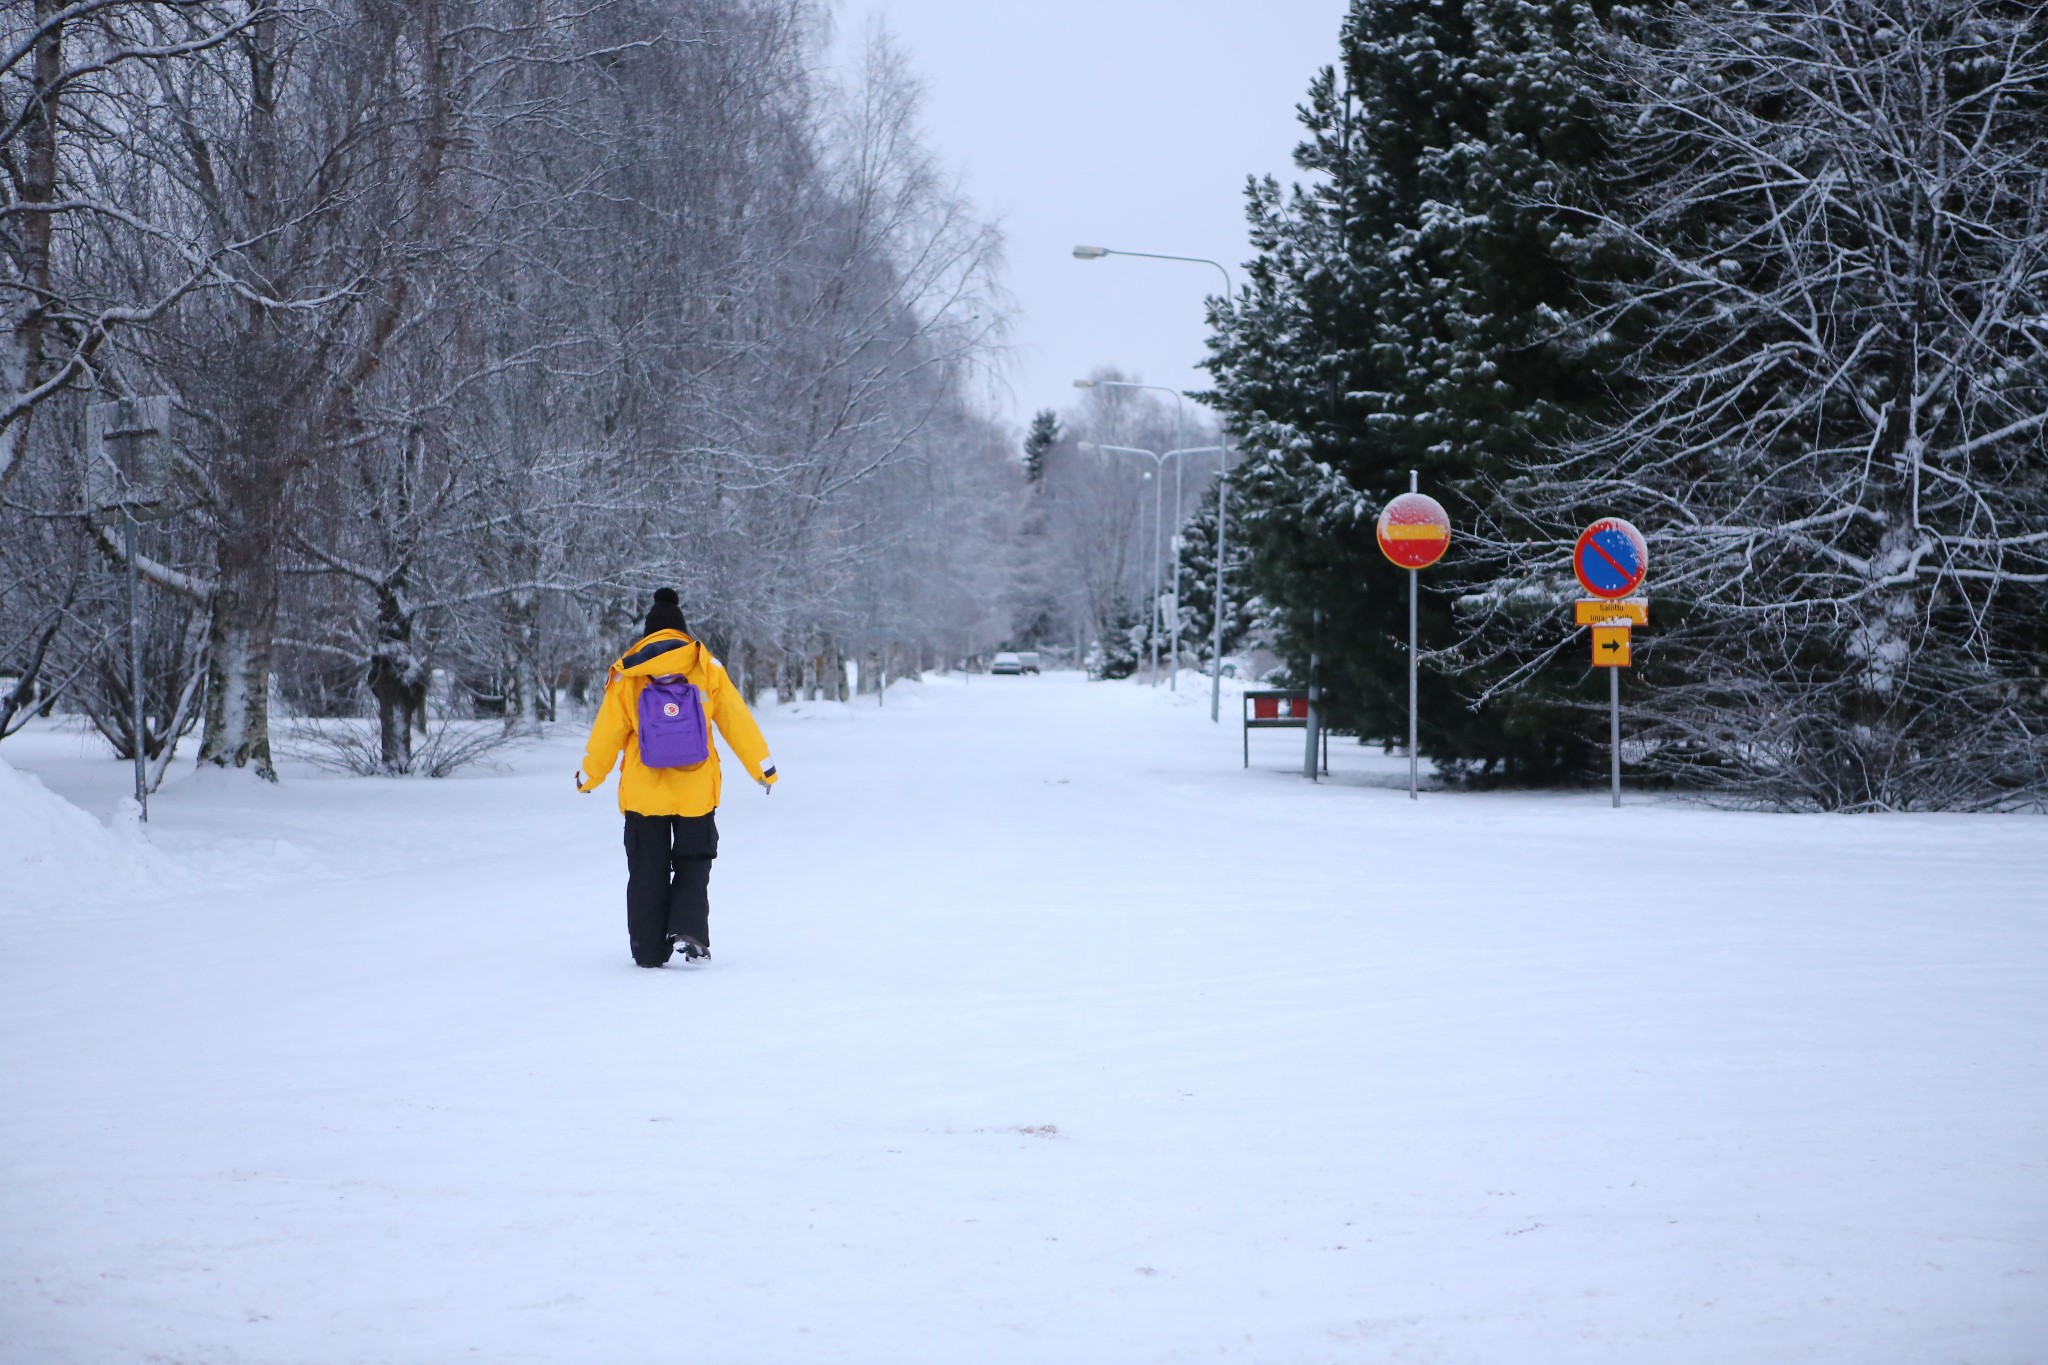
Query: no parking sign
1611, 558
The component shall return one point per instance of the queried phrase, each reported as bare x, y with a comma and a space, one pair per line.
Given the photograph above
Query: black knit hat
666, 613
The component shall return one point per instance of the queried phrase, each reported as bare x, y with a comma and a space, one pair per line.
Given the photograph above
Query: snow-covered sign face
671, 710
1611, 558
1414, 531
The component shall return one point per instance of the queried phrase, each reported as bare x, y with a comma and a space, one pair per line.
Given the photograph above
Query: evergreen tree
1198, 584
1043, 436
1122, 644
1038, 598
1401, 316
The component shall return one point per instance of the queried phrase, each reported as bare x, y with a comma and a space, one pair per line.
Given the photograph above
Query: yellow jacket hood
659, 655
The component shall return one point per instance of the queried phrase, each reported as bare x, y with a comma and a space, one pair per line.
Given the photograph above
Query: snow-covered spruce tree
1838, 453
1198, 584
1043, 436
1038, 617
1121, 648
1400, 318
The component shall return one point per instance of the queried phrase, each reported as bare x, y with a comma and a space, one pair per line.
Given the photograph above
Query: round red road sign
1414, 531
1611, 558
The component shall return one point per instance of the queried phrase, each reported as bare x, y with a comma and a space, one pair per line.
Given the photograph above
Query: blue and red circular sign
1611, 558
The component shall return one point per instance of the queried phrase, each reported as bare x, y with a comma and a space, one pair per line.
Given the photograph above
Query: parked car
1029, 658
1007, 663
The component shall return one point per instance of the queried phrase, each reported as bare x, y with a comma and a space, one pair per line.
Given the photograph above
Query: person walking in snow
660, 699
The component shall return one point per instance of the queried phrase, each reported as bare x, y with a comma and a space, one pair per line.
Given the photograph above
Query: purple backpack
672, 733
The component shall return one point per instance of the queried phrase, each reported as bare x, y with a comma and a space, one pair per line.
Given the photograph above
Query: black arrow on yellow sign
1611, 640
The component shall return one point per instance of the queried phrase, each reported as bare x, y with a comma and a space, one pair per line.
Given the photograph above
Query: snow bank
53, 854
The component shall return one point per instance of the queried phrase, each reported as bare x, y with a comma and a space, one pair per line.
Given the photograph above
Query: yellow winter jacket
669, 791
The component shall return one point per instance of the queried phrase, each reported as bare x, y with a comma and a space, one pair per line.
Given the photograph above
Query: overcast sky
1122, 123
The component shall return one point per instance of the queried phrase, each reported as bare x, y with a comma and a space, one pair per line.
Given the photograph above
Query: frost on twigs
445, 747
1836, 402
478, 323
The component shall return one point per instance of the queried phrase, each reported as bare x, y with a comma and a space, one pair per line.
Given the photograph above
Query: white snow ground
1038, 1031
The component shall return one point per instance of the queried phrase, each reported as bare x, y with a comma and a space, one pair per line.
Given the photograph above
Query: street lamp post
1096, 253
1180, 432
1159, 464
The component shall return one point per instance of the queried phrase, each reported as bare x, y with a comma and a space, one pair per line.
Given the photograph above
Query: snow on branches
1837, 215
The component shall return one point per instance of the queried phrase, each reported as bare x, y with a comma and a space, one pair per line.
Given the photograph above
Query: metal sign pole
135, 667
1315, 712
1413, 576
117, 475
1414, 589
1414, 531
1614, 734
1610, 560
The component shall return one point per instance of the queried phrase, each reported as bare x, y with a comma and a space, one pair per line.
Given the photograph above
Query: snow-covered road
1038, 1031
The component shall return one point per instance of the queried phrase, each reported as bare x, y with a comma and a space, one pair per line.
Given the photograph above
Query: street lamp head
1090, 253
1084, 383
1086, 445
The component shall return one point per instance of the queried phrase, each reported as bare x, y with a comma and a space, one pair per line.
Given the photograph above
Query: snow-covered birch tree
62, 117
483, 318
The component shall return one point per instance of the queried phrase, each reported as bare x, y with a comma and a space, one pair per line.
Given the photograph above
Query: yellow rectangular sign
1610, 647
1593, 612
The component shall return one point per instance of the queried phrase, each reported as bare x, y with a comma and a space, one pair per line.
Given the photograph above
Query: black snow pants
668, 879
